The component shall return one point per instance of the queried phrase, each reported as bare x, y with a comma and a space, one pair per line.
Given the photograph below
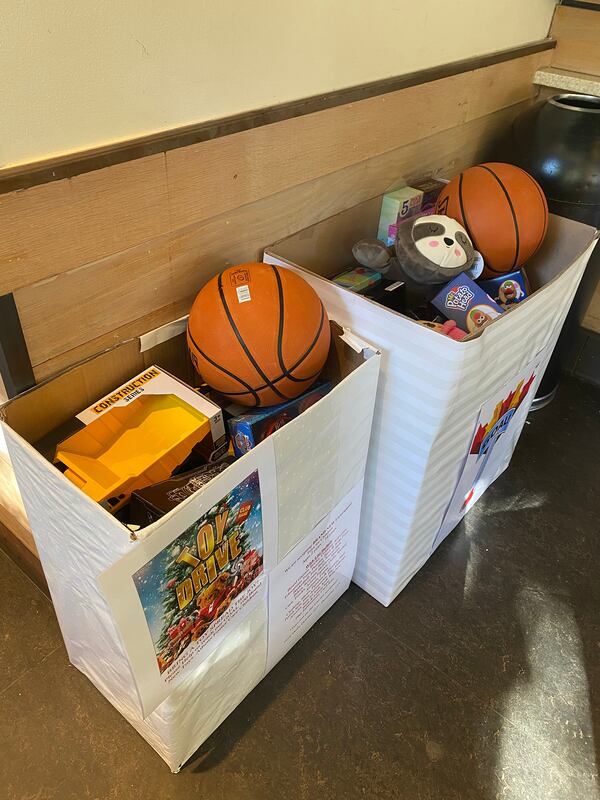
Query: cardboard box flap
565, 242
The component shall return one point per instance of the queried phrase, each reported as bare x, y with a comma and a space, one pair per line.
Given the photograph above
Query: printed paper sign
498, 428
181, 590
186, 587
313, 576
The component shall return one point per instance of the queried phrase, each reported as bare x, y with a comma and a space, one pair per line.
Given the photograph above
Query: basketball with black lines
258, 334
504, 211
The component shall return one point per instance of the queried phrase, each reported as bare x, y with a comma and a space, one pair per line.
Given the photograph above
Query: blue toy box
247, 430
467, 304
507, 289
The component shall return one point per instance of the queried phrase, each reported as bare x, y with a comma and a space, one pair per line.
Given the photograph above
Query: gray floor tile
508, 604
350, 713
28, 628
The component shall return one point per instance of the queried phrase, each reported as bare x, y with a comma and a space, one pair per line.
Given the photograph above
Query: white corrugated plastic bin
432, 388
312, 476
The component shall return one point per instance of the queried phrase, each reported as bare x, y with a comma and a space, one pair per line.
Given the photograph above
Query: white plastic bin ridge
431, 388
319, 461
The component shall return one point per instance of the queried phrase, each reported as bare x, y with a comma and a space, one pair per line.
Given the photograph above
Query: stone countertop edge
568, 81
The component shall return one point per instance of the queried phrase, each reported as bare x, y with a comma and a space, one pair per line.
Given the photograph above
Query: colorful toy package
467, 304
358, 279
507, 289
431, 189
247, 430
410, 201
396, 206
136, 436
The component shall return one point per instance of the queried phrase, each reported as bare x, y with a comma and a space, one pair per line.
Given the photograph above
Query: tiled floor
481, 681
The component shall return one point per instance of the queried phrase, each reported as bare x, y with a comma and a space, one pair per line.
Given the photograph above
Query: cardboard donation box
448, 413
225, 582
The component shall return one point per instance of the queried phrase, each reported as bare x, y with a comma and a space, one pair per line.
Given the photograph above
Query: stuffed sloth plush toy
428, 252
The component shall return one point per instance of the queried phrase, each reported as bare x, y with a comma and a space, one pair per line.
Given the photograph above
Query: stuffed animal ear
373, 254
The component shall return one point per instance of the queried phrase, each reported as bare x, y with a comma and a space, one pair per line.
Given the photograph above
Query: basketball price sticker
243, 294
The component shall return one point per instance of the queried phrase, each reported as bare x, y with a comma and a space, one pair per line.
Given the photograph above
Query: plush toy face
442, 240
429, 251
434, 249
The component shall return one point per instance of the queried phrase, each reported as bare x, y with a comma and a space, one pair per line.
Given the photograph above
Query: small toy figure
507, 289
427, 253
478, 316
510, 292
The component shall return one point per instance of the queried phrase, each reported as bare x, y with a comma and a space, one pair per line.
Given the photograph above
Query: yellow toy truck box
138, 435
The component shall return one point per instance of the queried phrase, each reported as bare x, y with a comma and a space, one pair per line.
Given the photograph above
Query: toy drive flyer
195, 576
190, 584
498, 427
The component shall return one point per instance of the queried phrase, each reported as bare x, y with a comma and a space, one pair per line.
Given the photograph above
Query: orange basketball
258, 334
503, 210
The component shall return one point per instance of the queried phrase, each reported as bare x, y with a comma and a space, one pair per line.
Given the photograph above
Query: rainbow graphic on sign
487, 435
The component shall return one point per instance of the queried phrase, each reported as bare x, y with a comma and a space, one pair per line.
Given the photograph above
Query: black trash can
558, 142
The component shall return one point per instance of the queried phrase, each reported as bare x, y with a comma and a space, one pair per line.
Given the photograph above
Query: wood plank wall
109, 254
577, 31
100, 257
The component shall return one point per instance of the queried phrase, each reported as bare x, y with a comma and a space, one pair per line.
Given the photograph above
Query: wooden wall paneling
57, 314
213, 177
110, 338
577, 31
57, 167
50, 229
59, 226
12, 512
503, 85
201, 250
